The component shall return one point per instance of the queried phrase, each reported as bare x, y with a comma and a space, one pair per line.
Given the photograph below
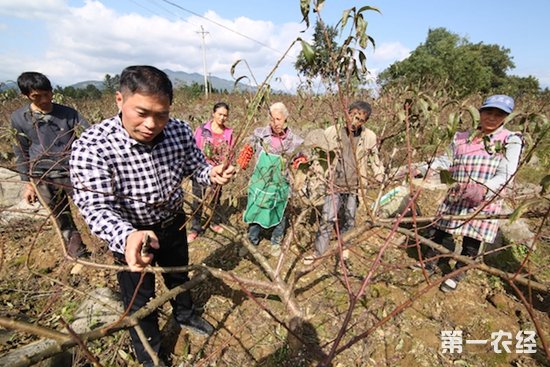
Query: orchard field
375, 308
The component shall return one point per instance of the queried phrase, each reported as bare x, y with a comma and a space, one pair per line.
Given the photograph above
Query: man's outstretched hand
136, 260
221, 176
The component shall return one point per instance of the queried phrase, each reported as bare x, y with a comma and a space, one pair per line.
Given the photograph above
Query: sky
72, 41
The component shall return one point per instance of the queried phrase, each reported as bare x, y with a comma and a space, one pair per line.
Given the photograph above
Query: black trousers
470, 246
173, 252
56, 191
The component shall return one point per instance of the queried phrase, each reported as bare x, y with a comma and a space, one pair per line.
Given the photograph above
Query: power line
157, 3
164, 9
144, 7
222, 26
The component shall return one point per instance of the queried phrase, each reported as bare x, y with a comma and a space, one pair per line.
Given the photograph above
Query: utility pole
203, 33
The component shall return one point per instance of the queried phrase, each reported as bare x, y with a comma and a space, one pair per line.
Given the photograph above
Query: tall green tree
519, 86
92, 92
110, 83
448, 59
345, 65
325, 48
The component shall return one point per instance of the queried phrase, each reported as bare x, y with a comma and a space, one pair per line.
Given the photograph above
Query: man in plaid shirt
127, 173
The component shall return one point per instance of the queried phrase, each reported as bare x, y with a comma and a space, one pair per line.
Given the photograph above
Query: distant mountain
81, 85
181, 78
178, 78
9, 84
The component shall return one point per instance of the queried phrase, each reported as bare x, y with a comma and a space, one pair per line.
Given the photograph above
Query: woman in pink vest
215, 140
483, 162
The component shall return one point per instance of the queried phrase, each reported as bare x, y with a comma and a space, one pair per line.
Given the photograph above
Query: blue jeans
277, 235
334, 203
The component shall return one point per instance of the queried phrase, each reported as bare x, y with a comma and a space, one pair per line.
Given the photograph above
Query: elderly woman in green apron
483, 162
269, 187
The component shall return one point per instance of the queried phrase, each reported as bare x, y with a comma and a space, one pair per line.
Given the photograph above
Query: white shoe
345, 254
309, 260
448, 285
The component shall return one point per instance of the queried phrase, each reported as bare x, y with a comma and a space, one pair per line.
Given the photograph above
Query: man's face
277, 122
358, 118
41, 100
143, 116
491, 119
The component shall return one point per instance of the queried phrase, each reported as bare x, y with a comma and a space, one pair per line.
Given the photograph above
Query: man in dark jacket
45, 132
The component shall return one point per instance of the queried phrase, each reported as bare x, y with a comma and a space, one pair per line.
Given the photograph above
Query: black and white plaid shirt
121, 184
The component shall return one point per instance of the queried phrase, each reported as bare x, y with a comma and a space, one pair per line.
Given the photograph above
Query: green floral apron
268, 191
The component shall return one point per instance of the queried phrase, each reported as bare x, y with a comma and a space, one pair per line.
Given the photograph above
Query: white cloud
389, 52
261, 46
383, 56
286, 82
75, 43
10, 63
90, 41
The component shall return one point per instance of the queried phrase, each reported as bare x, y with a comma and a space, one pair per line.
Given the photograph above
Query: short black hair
32, 80
362, 106
220, 105
146, 80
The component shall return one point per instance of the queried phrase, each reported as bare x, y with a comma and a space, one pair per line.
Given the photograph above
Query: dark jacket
44, 140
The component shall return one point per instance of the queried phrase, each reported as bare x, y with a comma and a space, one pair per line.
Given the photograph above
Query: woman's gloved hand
300, 159
473, 194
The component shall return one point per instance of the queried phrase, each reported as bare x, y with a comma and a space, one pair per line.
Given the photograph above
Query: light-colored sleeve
439, 163
371, 144
508, 165
332, 139
443, 162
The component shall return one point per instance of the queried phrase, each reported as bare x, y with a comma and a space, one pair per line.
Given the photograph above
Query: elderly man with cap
483, 162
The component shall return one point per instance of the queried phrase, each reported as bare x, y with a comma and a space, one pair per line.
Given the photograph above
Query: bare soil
401, 314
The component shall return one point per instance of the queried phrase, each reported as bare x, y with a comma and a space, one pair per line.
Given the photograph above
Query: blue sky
72, 41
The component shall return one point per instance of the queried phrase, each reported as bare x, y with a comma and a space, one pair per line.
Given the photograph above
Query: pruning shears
145, 245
